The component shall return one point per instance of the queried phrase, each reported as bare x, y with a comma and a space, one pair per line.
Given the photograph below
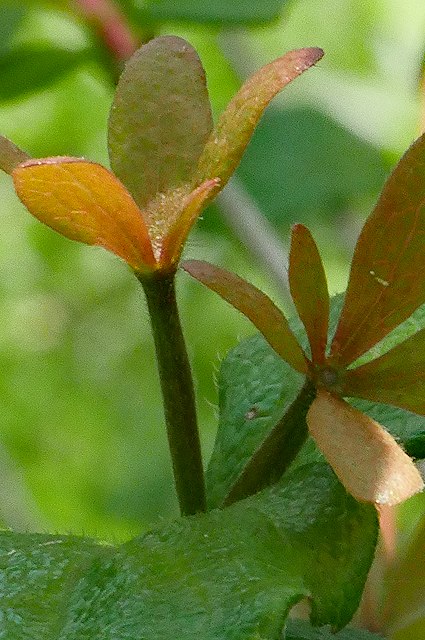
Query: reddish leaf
10, 155
172, 243
255, 305
365, 457
396, 378
309, 290
83, 201
387, 279
236, 125
160, 119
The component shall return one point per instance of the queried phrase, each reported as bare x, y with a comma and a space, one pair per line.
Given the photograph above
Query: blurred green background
82, 443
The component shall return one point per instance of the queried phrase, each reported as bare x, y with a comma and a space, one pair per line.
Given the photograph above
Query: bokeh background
82, 442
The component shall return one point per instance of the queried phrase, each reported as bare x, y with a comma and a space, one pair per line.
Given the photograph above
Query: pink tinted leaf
160, 119
83, 201
396, 378
309, 290
236, 125
365, 457
387, 279
255, 305
10, 155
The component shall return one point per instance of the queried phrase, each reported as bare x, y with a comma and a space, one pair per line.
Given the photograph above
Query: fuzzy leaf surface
236, 124
387, 278
83, 201
160, 119
224, 575
256, 389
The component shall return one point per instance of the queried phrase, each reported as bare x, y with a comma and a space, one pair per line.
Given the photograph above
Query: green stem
178, 393
277, 451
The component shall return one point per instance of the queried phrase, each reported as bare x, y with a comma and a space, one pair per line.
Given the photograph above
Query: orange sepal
173, 241
365, 457
83, 201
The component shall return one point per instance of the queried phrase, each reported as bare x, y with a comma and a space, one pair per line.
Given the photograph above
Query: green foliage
235, 572
301, 630
302, 165
11, 17
28, 69
257, 389
219, 11
227, 574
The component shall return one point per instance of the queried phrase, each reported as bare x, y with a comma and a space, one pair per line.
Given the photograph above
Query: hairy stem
178, 393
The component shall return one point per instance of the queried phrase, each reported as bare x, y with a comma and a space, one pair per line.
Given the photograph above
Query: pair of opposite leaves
164, 148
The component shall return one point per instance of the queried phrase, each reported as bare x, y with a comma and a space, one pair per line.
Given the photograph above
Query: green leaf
30, 69
160, 119
387, 277
276, 452
256, 390
235, 127
219, 11
309, 290
38, 574
302, 630
255, 305
236, 571
280, 168
11, 18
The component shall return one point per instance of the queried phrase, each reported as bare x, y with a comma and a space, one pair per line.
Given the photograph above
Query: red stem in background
112, 26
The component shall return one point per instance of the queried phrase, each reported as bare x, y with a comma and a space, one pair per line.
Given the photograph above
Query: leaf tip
11, 155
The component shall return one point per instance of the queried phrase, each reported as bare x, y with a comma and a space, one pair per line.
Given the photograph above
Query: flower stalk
178, 393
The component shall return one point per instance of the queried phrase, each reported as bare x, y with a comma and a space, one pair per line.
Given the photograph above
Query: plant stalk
177, 392
277, 451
